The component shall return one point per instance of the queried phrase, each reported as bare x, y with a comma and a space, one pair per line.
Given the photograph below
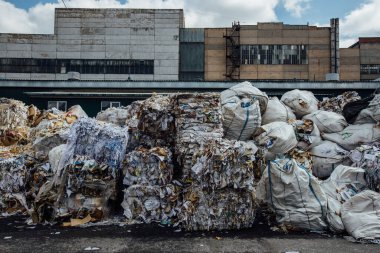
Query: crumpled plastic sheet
368, 158
87, 188
225, 163
151, 122
148, 166
114, 115
216, 210
307, 133
198, 120
336, 104
12, 185
152, 203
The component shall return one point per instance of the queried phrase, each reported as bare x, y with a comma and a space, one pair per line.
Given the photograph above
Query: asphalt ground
16, 236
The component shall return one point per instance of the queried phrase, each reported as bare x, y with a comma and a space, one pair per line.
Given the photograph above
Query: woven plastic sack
277, 111
327, 122
302, 102
371, 114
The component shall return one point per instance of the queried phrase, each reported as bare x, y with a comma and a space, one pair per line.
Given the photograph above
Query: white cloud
361, 22
296, 7
198, 13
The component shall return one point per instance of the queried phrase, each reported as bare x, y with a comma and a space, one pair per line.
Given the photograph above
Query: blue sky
358, 18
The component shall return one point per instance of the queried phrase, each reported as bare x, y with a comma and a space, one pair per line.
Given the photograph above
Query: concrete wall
143, 34
349, 64
316, 39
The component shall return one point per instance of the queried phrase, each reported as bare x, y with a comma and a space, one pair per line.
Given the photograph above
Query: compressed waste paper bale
277, 137
241, 118
85, 189
307, 133
217, 210
326, 157
371, 114
277, 111
245, 90
225, 163
327, 122
354, 135
197, 121
12, 185
114, 115
36, 176
360, 215
368, 158
13, 114
344, 183
148, 166
302, 102
104, 142
336, 104
294, 194
151, 203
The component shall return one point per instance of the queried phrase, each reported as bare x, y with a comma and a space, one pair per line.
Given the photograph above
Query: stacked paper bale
220, 172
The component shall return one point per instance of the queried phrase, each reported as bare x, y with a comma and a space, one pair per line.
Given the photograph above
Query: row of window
62, 66
62, 105
370, 69
273, 54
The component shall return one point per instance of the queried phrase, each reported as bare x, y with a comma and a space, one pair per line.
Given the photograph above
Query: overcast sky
358, 18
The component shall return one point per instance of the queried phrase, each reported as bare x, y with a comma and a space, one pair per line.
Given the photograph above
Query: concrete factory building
147, 44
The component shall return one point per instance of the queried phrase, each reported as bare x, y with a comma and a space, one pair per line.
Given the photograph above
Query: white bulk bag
326, 157
294, 194
361, 217
277, 111
371, 114
354, 135
302, 102
327, 122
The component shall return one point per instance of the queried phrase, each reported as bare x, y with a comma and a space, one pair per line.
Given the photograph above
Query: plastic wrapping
336, 104
326, 157
302, 102
360, 215
355, 135
294, 194
368, 158
217, 210
148, 203
114, 115
327, 122
277, 111
277, 137
148, 167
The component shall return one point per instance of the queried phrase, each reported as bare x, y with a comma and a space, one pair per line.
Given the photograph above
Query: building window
273, 54
62, 66
108, 104
370, 69
60, 105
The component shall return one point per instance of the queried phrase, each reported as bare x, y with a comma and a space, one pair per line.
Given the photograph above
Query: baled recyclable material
245, 90
241, 118
148, 167
277, 111
149, 203
307, 133
371, 114
360, 215
326, 157
344, 183
327, 122
355, 135
368, 158
302, 102
336, 104
277, 137
13, 114
114, 115
225, 163
217, 210
294, 194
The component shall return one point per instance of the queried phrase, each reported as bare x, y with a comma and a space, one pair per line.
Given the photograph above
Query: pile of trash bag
200, 161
